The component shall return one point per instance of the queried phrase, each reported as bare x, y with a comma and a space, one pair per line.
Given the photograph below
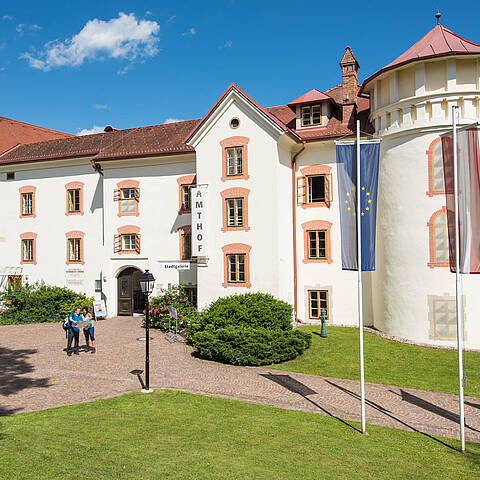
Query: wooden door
125, 292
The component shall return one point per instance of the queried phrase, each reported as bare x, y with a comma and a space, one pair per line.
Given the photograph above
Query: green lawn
182, 436
387, 362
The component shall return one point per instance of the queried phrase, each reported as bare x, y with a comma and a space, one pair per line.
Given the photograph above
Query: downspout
98, 168
294, 216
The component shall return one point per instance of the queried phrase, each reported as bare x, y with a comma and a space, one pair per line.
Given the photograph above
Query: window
191, 295
235, 209
128, 196
27, 201
75, 247
311, 115
234, 158
236, 265
187, 246
14, 281
236, 268
234, 123
438, 239
314, 186
317, 242
74, 250
74, 198
127, 241
28, 248
436, 181
185, 185
128, 200
27, 204
10, 176
234, 212
317, 303
445, 318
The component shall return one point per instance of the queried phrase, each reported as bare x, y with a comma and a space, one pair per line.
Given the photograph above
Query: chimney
349, 66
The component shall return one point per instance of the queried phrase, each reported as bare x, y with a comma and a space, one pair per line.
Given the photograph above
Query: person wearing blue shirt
73, 332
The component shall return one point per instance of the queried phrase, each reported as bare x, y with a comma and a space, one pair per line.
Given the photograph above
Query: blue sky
71, 66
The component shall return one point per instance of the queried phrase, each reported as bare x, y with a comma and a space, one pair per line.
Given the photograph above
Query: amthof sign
199, 218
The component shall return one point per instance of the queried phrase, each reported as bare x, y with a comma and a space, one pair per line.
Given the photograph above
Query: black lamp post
147, 282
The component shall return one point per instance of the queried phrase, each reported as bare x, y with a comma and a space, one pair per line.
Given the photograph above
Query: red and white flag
468, 161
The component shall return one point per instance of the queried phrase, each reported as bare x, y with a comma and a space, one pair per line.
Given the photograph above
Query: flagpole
359, 270
458, 310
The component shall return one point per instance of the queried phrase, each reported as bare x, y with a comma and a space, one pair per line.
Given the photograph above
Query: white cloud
99, 106
124, 37
90, 131
171, 19
21, 27
190, 31
148, 12
227, 44
124, 70
173, 120
7, 17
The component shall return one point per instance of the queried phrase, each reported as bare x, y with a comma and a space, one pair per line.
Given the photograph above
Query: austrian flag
468, 161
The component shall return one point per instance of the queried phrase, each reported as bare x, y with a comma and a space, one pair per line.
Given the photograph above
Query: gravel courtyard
35, 374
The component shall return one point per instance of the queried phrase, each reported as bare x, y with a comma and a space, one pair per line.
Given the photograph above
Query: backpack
66, 323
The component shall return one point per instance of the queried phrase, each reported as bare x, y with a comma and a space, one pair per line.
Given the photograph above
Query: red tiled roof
310, 97
169, 139
13, 133
234, 86
438, 42
133, 142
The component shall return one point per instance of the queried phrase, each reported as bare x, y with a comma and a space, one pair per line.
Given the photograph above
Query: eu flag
347, 183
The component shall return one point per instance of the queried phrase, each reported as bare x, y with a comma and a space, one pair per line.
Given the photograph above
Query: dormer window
311, 115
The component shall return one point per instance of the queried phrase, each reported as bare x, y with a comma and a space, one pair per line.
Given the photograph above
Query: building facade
93, 212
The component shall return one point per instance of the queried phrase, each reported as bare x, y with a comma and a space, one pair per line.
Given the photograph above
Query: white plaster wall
403, 280
51, 224
341, 284
267, 201
158, 220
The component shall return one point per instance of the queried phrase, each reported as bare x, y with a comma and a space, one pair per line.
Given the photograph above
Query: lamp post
147, 282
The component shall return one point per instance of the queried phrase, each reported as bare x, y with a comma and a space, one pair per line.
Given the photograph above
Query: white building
93, 212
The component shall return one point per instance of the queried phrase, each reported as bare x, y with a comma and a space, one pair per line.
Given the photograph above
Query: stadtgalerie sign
199, 218
175, 265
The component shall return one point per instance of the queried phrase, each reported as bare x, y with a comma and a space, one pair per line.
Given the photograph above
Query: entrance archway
130, 297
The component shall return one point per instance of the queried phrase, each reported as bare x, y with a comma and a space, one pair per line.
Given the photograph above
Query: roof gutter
294, 217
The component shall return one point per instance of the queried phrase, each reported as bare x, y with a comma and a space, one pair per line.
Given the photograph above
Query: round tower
411, 106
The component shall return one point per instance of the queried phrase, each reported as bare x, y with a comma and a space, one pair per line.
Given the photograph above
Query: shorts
89, 334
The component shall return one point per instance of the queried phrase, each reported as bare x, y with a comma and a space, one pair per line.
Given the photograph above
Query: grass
386, 361
175, 435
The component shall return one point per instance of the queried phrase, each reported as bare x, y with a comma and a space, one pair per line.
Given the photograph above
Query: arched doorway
130, 297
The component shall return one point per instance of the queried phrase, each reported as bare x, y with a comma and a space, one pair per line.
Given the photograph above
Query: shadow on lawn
13, 368
379, 408
286, 381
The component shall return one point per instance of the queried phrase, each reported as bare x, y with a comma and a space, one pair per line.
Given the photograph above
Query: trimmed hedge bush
176, 297
38, 302
251, 346
247, 329
248, 309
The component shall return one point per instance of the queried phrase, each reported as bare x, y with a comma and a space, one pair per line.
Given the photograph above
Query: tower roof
438, 42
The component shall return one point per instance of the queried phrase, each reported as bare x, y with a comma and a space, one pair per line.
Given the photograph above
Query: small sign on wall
74, 276
175, 265
199, 219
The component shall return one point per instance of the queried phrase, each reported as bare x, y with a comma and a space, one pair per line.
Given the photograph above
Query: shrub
176, 297
251, 346
249, 309
41, 303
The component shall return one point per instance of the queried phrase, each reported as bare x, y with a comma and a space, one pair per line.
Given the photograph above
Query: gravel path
35, 374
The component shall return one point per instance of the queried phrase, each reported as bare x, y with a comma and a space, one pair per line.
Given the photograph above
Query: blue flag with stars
347, 192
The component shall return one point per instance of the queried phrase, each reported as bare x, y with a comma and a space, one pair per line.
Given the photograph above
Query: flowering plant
175, 297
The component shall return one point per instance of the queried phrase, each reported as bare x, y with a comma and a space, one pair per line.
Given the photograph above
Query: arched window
436, 182
438, 239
